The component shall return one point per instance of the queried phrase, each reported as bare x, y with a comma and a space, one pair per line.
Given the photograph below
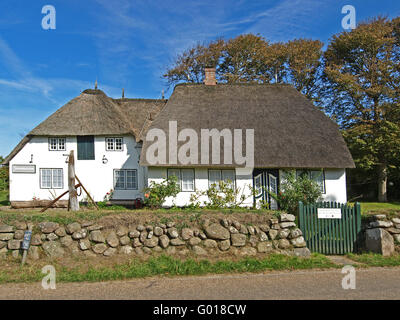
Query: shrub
156, 193
294, 189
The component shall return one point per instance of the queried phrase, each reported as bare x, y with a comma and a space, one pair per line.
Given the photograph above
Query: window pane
131, 179
258, 185
110, 144
45, 178
176, 173
118, 143
187, 180
53, 144
61, 144
119, 179
57, 178
214, 176
229, 175
318, 176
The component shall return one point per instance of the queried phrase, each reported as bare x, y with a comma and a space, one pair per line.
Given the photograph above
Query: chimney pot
209, 79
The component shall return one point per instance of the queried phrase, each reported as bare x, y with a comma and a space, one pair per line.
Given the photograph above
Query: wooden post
73, 195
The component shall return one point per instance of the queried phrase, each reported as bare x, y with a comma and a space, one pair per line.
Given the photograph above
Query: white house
114, 141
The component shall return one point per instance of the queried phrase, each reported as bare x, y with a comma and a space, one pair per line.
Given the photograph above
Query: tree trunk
73, 195
382, 182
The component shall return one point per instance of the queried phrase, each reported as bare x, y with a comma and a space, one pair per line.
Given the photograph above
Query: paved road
373, 283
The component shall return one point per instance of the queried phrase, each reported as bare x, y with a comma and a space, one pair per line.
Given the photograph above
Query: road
372, 283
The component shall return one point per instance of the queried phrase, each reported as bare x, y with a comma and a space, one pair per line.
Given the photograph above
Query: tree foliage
4, 179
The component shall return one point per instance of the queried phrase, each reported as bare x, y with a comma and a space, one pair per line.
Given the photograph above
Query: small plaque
329, 213
24, 168
27, 240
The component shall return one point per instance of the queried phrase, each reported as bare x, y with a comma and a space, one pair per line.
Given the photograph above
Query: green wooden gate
330, 236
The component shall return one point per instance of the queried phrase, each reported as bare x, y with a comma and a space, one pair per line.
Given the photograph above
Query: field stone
233, 230
195, 241
285, 217
53, 249
380, 216
72, 227
6, 236
272, 234
89, 254
146, 250
238, 240
60, 232
3, 244
224, 245
19, 234
298, 242
150, 234
122, 231
275, 226
170, 250
199, 251
19, 225
3, 253
48, 227
158, 231
99, 248
396, 220
33, 253
134, 234
253, 240
170, 224
283, 244
246, 251
126, 249
187, 233
149, 228
52, 236
136, 243
381, 224
94, 227
86, 224
283, 234
236, 224
202, 235
125, 240
138, 251
264, 227
172, 233
301, 252
14, 244
157, 249
43, 237
263, 236
264, 247
112, 239
66, 241
109, 252
243, 229
151, 243
209, 243
6, 228
285, 225
143, 236
274, 220
164, 241
84, 244
224, 222
397, 225
393, 230
397, 237
177, 242
294, 233
379, 241
15, 254
251, 230
97, 236
140, 228
81, 234
217, 232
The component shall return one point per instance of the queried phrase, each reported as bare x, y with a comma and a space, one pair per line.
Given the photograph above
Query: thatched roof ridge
290, 132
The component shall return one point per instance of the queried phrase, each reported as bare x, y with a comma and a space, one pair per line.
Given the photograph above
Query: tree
3, 175
362, 94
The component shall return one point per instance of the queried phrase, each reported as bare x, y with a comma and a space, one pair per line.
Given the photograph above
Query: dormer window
57, 144
114, 144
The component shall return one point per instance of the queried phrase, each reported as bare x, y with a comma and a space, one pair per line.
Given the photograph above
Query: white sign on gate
329, 213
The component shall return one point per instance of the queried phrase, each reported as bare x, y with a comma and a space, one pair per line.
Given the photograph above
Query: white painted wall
243, 181
95, 176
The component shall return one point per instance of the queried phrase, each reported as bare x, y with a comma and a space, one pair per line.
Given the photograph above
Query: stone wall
382, 234
209, 236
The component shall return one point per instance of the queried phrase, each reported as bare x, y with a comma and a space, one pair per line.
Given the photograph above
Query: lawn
377, 207
376, 260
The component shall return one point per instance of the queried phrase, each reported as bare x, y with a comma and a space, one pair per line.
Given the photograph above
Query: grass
376, 207
167, 266
376, 260
4, 198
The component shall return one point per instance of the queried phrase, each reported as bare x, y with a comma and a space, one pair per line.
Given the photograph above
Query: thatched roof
94, 113
290, 132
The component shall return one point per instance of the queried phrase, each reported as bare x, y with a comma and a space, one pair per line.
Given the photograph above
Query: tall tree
362, 94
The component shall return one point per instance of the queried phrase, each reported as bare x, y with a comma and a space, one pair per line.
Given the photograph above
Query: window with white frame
215, 176
51, 179
57, 144
316, 175
114, 144
185, 178
125, 179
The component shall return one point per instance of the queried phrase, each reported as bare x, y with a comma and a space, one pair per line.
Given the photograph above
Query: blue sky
128, 44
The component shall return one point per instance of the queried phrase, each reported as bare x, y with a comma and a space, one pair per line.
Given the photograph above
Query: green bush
156, 193
294, 189
4, 179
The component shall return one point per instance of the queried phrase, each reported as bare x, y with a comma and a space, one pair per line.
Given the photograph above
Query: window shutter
85, 147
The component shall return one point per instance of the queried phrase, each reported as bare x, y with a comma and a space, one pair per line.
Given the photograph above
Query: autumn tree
362, 94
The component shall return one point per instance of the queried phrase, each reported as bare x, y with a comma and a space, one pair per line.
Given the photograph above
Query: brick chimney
209, 79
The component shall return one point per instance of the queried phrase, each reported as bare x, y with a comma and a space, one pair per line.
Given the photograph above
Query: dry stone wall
53, 240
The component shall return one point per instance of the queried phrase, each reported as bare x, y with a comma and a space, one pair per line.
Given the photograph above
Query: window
215, 176
114, 144
57, 144
125, 179
51, 179
316, 175
85, 147
258, 185
185, 178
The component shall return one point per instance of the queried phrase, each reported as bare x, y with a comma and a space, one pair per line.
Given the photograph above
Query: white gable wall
98, 178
